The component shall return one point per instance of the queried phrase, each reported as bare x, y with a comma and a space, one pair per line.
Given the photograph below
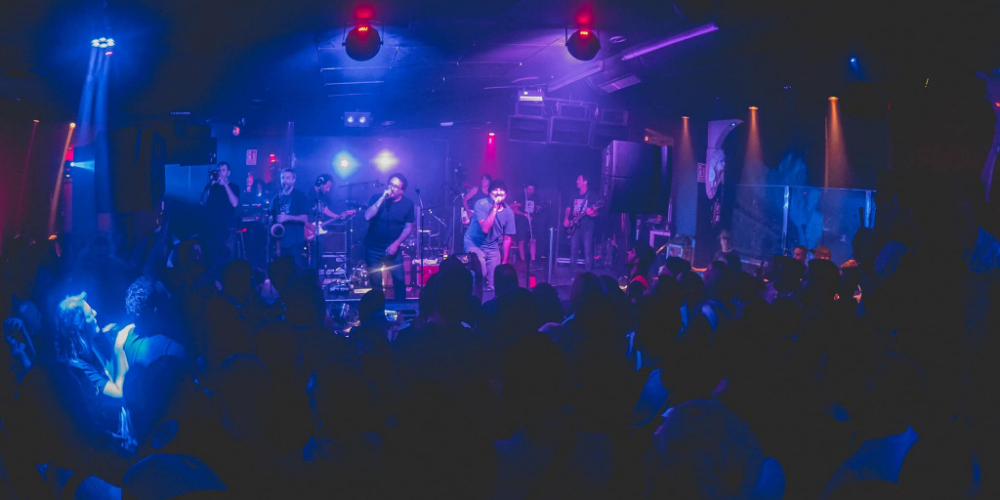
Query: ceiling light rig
102, 43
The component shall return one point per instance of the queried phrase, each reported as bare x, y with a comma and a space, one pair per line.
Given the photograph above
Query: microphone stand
420, 244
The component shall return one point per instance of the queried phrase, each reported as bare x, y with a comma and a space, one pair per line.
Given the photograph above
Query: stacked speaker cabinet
636, 178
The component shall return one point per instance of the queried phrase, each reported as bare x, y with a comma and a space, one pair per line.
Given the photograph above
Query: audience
816, 381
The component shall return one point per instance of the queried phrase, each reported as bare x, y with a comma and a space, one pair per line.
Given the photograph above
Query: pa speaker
636, 177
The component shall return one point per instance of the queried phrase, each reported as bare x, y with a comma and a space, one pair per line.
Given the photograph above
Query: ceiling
450, 60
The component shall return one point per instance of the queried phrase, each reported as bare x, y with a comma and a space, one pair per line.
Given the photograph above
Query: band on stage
493, 220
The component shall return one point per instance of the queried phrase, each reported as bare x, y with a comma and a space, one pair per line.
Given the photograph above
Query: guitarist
320, 199
475, 194
582, 204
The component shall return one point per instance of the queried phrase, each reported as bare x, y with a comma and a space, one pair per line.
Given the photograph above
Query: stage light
685, 117
108, 53
489, 140
854, 60
344, 164
492, 134
447, 124
273, 158
385, 160
36, 121
357, 119
753, 108
236, 130
72, 125
787, 87
102, 42
363, 42
833, 98
531, 95
583, 44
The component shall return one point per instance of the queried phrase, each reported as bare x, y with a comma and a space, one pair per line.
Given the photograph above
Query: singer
390, 219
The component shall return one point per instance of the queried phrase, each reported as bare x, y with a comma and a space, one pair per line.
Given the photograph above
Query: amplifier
333, 242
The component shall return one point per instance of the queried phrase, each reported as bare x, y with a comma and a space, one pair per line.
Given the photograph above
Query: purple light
701, 30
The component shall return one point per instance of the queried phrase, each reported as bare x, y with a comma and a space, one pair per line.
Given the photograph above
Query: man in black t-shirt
291, 210
221, 197
390, 221
582, 204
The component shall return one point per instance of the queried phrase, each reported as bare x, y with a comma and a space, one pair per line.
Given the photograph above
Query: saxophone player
291, 210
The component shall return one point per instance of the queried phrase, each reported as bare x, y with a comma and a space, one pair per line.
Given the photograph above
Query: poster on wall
716, 172
701, 173
251, 157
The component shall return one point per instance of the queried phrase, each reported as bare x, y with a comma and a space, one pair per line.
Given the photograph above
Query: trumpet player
291, 213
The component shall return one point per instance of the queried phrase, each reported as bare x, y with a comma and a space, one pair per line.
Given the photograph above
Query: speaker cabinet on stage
636, 177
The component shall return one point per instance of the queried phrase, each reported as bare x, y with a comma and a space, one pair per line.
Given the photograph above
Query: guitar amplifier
334, 242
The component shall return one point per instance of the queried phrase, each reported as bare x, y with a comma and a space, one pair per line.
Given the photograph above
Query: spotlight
385, 160
108, 53
102, 43
490, 140
273, 158
357, 119
236, 130
72, 125
363, 42
443, 124
833, 98
753, 108
344, 163
685, 117
583, 44
854, 60
36, 121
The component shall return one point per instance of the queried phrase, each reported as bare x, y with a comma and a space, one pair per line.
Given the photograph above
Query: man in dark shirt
221, 197
291, 210
582, 204
492, 227
390, 221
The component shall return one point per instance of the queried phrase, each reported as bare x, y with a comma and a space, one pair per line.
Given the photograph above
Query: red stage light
363, 29
492, 134
582, 45
273, 158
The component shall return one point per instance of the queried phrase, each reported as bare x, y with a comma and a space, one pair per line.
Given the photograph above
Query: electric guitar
574, 223
313, 230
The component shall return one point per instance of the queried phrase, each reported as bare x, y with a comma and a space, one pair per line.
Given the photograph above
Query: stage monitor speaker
636, 177
130, 172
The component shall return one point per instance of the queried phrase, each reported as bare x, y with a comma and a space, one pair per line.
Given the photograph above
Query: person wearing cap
820, 253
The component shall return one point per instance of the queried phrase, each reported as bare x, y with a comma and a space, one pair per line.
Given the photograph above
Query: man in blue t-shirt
492, 226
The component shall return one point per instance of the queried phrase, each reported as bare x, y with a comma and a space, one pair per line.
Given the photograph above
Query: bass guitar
574, 223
